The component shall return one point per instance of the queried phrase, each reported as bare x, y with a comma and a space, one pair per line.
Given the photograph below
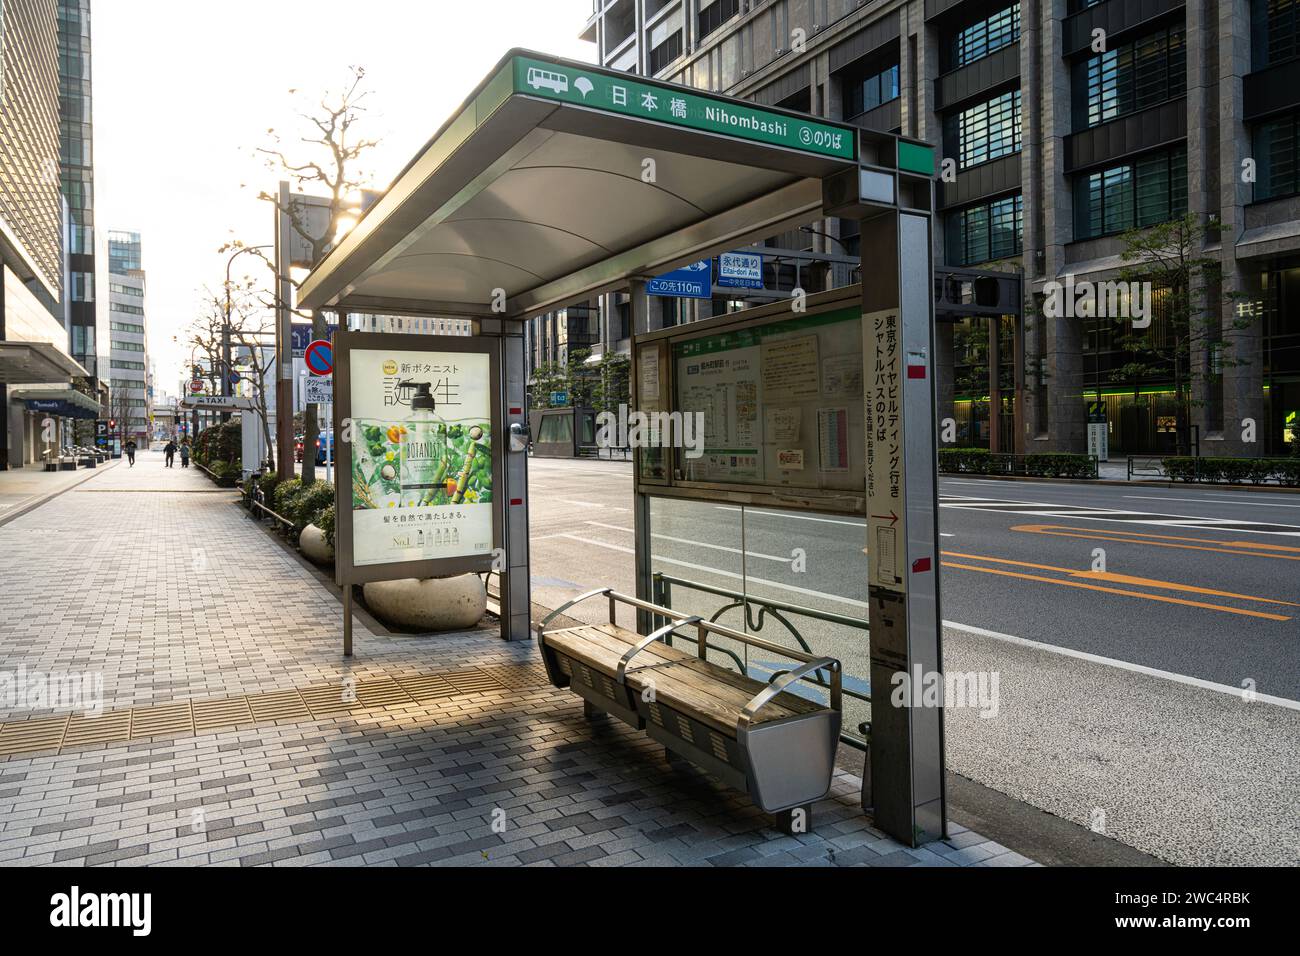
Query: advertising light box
419, 459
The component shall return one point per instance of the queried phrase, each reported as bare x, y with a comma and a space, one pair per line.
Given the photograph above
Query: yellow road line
1249, 549
1135, 594
1114, 578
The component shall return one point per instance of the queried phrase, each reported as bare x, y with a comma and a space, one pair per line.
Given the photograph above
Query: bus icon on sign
539, 79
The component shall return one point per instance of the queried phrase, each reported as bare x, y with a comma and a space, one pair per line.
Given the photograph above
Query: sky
184, 93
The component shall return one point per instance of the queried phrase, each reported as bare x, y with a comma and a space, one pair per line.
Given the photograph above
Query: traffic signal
112, 424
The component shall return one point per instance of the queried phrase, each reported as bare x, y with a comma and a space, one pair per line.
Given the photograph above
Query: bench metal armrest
766, 695
566, 605
647, 641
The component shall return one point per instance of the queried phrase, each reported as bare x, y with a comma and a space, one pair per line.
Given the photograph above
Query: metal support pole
906, 756
284, 463
516, 596
347, 620
640, 312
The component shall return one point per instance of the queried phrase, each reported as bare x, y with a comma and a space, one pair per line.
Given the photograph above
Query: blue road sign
690, 282
559, 398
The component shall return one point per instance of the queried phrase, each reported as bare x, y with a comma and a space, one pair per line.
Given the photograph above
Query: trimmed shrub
325, 521
1059, 465
965, 461
1233, 471
980, 461
309, 503
222, 442
282, 497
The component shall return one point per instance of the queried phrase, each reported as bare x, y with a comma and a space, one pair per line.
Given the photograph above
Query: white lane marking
945, 534
1045, 510
1125, 665
590, 504
727, 574
1201, 501
782, 514
697, 544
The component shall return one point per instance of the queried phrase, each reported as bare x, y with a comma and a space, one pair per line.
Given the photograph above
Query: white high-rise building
129, 384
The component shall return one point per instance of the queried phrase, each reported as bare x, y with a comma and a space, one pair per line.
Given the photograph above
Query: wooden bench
758, 738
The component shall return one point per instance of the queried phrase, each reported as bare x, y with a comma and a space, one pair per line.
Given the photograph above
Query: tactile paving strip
186, 718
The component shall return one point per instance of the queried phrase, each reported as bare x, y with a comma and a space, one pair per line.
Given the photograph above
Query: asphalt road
1121, 619
1198, 582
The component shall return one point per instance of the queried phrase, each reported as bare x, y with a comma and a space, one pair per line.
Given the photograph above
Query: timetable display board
781, 402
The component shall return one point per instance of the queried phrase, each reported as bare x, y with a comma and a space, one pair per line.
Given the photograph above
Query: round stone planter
431, 604
312, 543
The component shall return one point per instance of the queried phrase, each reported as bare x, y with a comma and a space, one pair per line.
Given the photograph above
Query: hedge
282, 497
325, 521
1234, 471
310, 501
980, 461
219, 443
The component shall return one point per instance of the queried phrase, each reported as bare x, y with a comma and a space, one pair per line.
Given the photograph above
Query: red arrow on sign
891, 518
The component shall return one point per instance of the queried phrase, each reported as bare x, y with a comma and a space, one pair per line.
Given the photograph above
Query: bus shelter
556, 182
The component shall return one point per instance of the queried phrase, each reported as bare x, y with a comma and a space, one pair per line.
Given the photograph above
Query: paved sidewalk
229, 742
20, 488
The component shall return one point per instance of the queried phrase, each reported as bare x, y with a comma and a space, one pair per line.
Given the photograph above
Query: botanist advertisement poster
421, 456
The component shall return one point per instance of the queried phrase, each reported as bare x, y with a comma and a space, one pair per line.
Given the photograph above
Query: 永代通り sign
740, 270
421, 455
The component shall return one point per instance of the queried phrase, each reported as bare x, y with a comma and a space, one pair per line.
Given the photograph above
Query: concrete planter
312, 543
432, 604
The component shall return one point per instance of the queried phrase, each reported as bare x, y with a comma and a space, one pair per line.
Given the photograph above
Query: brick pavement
166, 587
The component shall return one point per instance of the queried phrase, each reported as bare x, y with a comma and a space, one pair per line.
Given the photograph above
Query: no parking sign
319, 357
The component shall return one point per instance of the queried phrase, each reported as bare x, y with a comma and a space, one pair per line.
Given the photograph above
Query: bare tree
1187, 342
330, 162
252, 328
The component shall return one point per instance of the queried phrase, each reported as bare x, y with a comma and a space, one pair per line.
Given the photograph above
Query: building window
125, 289
1131, 77
83, 286
989, 231
986, 36
987, 131
126, 327
1274, 31
716, 14
869, 87
1276, 145
129, 309
1138, 194
665, 53
128, 346
124, 364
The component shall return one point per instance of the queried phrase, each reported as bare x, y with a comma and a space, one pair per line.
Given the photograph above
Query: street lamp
225, 326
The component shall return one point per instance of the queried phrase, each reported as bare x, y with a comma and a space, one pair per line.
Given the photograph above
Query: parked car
325, 441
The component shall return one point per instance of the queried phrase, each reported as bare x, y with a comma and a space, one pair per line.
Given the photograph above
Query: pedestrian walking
129, 447
170, 452
185, 454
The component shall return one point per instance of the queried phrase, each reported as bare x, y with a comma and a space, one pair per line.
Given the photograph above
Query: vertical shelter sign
421, 462
886, 495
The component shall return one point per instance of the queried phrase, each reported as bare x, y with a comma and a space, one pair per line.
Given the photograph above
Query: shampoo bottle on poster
425, 448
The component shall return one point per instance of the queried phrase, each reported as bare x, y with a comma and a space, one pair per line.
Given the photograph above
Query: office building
130, 388
1066, 123
42, 386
